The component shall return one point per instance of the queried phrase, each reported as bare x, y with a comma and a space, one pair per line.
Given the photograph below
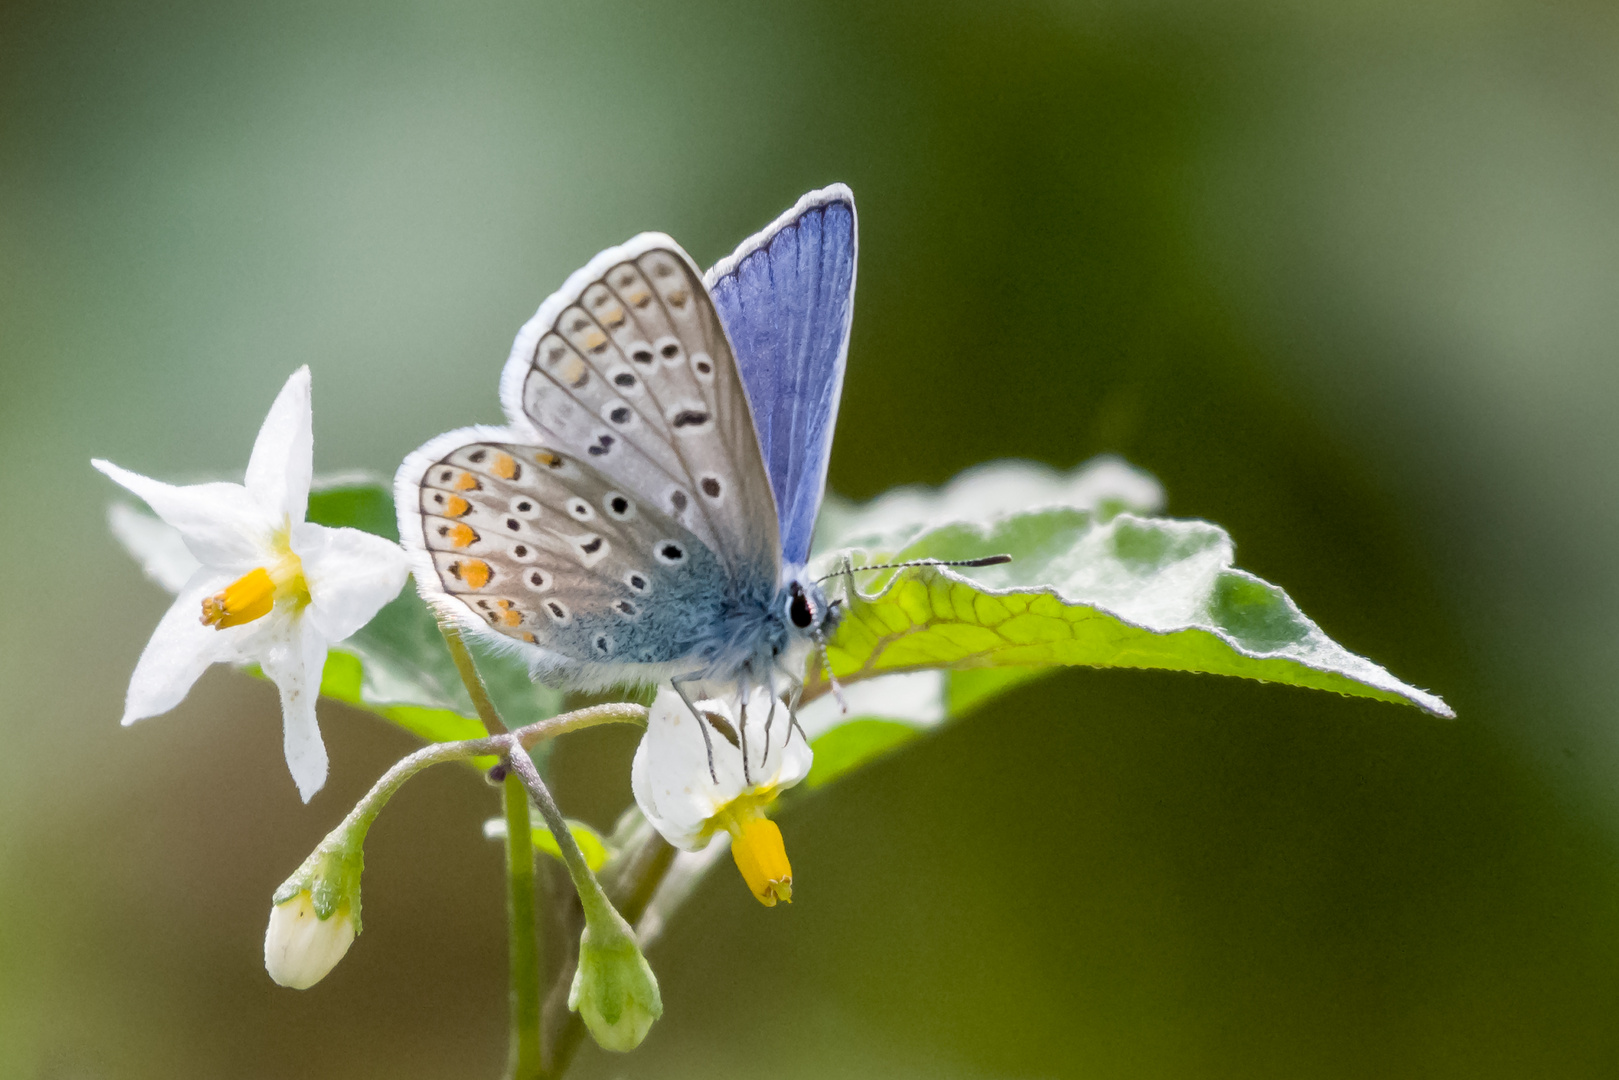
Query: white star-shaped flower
693, 784
268, 586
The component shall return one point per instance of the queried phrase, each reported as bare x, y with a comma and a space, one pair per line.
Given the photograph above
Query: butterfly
646, 515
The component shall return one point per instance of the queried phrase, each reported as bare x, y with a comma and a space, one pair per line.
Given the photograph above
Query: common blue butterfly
647, 514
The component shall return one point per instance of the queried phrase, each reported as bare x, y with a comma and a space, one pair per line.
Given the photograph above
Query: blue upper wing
786, 298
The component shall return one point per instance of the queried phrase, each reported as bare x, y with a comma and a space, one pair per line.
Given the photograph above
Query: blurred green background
1345, 276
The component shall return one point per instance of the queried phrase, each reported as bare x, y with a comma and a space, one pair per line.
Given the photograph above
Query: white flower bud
300, 947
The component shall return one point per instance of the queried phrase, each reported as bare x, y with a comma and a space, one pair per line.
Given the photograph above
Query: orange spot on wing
548, 459
462, 535
456, 507
475, 572
467, 482
503, 466
573, 371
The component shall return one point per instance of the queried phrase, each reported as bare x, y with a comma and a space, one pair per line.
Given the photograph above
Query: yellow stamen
254, 594
249, 597
760, 855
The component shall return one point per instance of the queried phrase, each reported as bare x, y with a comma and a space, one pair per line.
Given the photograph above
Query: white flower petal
687, 833
156, 545
284, 453
671, 776
294, 659
350, 574
182, 648
220, 523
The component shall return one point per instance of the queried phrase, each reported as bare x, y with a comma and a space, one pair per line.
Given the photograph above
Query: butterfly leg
792, 716
702, 724
769, 718
746, 691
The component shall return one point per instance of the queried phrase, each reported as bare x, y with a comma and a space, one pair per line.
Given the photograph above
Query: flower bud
614, 990
315, 914
300, 947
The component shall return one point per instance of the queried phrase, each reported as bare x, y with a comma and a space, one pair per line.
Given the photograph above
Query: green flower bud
614, 990
316, 912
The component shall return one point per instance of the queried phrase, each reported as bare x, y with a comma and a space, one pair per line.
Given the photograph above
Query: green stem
523, 944
366, 810
474, 682
591, 896
359, 819
523, 947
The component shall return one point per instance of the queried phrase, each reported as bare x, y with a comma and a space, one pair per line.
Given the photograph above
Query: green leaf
355, 503
344, 678
589, 841
850, 745
591, 845
1084, 587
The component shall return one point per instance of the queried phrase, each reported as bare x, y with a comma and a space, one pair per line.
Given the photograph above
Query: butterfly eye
798, 609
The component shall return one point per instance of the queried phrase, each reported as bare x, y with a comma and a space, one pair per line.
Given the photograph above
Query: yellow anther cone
762, 857
249, 597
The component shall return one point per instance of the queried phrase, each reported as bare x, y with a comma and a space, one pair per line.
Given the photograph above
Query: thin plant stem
590, 891
366, 810
525, 1054
474, 682
591, 897
523, 945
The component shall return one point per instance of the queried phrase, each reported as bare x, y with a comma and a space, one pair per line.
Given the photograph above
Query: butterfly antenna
742, 731
987, 560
